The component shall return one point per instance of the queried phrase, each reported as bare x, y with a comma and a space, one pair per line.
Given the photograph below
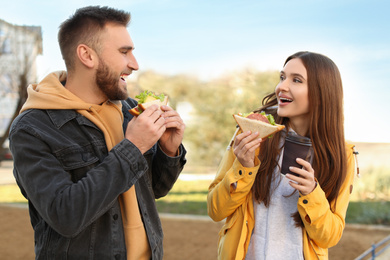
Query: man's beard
108, 82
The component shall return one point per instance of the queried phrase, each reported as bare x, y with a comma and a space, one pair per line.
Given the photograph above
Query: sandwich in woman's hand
147, 99
262, 123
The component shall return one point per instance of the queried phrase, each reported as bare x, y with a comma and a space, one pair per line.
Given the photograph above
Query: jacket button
250, 173
118, 256
115, 217
240, 172
305, 201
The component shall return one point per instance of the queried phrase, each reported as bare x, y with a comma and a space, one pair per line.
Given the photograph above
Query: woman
298, 215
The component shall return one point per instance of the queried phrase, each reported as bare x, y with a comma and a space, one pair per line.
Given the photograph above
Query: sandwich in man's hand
262, 123
147, 99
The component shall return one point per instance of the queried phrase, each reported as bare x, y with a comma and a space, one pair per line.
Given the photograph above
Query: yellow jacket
323, 228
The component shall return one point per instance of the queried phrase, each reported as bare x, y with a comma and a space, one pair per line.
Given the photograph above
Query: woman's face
292, 93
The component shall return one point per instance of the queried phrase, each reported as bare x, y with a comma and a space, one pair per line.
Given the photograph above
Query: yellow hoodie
51, 94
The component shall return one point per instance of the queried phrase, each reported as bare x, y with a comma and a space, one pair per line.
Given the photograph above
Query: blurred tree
179, 88
211, 124
19, 47
215, 105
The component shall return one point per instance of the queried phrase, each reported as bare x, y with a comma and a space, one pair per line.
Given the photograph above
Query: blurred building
19, 48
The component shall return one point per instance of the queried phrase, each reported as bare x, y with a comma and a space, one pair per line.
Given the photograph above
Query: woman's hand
305, 182
245, 147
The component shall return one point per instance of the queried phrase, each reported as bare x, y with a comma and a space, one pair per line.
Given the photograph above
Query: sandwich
147, 99
262, 123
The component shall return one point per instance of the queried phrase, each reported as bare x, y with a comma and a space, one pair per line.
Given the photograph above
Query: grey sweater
275, 235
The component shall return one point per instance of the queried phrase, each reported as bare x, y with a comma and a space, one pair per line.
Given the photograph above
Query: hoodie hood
51, 94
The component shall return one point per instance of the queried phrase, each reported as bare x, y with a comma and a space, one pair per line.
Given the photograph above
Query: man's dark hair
85, 27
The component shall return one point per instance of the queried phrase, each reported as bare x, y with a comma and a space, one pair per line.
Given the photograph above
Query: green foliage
214, 103
374, 184
179, 88
369, 212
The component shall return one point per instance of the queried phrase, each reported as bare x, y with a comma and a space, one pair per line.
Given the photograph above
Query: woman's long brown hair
326, 131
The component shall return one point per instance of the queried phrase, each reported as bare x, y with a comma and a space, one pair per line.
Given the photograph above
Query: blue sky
214, 37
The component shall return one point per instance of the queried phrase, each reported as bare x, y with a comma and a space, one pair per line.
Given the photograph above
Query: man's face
107, 81
116, 62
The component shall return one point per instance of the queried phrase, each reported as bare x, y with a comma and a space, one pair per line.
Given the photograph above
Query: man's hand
173, 135
146, 129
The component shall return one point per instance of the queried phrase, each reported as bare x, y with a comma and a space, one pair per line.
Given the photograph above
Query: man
91, 172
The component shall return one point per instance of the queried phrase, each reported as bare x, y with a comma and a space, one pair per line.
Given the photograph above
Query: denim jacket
72, 184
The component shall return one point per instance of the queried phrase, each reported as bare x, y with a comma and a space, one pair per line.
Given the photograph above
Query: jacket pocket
228, 225
227, 245
78, 160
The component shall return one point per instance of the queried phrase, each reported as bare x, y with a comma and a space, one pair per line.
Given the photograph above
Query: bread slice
264, 129
135, 111
158, 102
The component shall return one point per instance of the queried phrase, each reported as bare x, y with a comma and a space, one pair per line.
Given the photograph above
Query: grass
10, 193
369, 212
190, 197
186, 197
